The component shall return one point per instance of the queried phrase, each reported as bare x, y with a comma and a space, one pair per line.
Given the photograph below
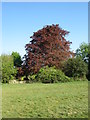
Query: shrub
22, 78
32, 78
51, 75
79, 79
75, 67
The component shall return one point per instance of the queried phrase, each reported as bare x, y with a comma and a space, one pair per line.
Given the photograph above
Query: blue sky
20, 20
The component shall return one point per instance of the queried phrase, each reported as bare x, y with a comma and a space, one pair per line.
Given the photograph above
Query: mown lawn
58, 100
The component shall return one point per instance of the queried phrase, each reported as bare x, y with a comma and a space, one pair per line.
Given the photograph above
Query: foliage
17, 59
0, 68
20, 73
82, 52
51, 75
75, 67
22, 78
8, 70
79, 79
59, 100
47, 47
32, 78
88, 75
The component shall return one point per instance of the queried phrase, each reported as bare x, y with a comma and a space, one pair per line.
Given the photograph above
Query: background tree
88, 75
47, 47
17, 59
8, 70
82, 52
75, 67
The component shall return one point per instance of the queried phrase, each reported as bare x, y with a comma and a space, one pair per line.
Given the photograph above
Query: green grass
59, 100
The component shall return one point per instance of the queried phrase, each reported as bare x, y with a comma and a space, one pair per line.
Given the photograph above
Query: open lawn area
37, 100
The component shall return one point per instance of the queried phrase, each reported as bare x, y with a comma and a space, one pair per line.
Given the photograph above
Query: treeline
73, 69
48, 59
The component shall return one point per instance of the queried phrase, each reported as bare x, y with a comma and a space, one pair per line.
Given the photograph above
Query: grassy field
59, 100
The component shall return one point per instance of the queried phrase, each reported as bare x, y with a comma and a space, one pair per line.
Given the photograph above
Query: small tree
17, 59
8, 70
47, 47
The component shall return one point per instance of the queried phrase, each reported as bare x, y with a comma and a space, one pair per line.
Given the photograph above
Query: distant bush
8, 70
75, 67
51, 75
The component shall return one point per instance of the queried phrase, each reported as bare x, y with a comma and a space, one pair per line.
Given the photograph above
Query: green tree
17, 59
82, 51
8, 70
75, 67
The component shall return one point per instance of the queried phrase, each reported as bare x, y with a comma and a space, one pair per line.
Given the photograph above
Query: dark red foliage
47, 47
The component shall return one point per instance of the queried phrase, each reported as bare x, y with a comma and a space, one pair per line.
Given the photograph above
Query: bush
22, 78
79, 79
32, 78
8, 70
75, 67
51, 75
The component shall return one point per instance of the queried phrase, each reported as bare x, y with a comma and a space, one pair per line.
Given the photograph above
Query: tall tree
17, 59
47, 47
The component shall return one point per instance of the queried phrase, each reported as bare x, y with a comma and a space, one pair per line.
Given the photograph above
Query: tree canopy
8, 70
82, 51
48, 46
75, 67
17, 59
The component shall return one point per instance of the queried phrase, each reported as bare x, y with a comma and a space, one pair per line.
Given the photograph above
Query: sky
21, 19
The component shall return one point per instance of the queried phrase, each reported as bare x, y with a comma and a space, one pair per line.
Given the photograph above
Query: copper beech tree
47, 47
